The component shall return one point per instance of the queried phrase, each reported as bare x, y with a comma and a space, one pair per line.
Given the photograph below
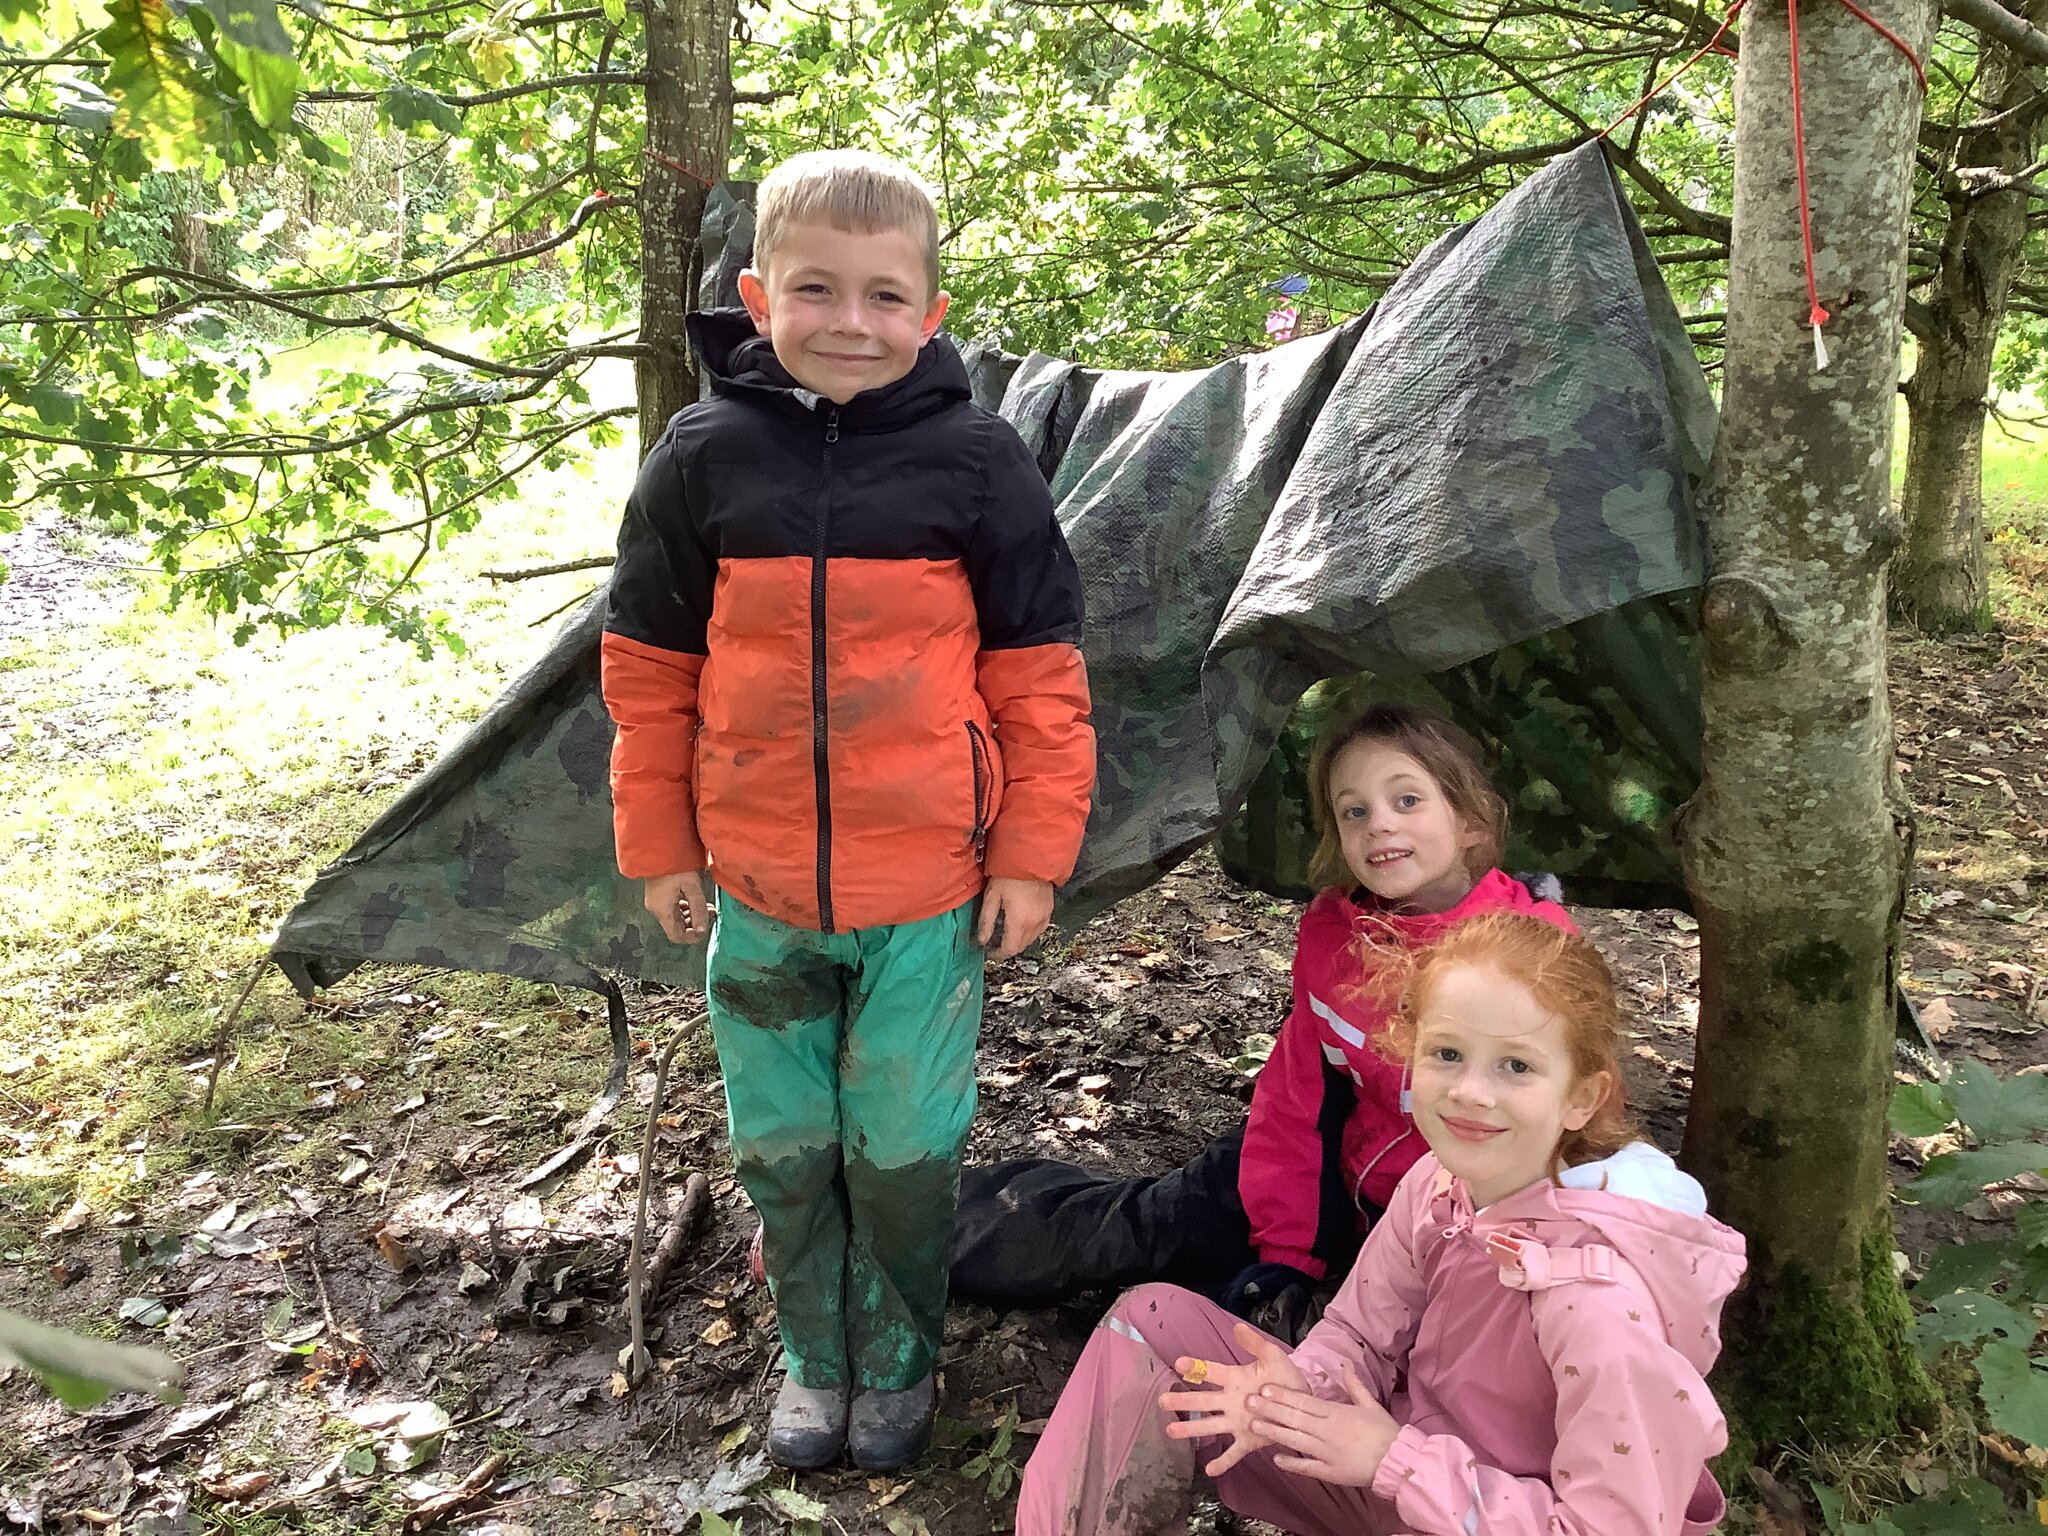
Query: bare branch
528, 573
503, 93
2001, 25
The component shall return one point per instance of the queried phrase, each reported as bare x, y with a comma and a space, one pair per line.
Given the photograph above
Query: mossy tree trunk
1796, 845
1939, 581
689, 133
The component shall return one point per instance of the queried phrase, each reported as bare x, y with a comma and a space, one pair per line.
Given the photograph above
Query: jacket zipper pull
832, 427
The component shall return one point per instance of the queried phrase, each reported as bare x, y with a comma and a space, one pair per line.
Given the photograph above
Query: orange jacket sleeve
1038, 699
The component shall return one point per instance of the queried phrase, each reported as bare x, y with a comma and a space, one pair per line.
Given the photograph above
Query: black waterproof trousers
1033, 1232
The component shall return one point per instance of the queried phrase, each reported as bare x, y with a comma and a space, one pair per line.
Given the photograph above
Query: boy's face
845, 312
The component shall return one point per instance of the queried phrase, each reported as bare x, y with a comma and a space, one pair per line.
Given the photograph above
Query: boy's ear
1585, 1099
934, 316
754, 294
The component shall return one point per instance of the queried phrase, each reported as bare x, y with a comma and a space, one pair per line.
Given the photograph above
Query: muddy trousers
849, 1082
1105, 1467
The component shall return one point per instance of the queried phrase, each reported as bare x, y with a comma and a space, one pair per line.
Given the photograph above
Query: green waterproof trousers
849, 1083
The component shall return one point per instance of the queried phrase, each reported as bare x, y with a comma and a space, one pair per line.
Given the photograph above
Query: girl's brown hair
1565, 975
1446, 753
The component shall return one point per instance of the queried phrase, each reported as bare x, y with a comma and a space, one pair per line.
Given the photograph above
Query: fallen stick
688, 1211
638, 1360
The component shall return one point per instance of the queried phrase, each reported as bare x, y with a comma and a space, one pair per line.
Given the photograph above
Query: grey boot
888, 1430
807, 1427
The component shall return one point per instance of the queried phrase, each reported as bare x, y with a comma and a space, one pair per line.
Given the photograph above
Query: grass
164, 799
2016, 508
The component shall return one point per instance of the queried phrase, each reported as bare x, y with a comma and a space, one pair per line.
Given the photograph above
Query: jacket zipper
977, 754
820, 761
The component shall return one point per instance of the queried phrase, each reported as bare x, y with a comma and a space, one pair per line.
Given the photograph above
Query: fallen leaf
1096, 1084
76, 1215
474, 1277
411, 1106
1937, 1017
1222, 933
721, 1331
391, 1243
232, 1490
734, 1438
352, 1172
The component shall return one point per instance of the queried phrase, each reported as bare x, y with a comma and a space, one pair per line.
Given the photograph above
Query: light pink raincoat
1545, 1356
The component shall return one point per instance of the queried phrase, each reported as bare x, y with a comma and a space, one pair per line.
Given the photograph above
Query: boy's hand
1013, 914
681, 904
1335, 1442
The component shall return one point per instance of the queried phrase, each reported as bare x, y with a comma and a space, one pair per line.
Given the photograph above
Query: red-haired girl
1522, 1347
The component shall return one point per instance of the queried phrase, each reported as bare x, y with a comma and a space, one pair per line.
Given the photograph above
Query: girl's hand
1332, 1442
1223, 1395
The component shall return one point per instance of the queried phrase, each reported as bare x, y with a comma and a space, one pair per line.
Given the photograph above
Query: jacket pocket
981, 763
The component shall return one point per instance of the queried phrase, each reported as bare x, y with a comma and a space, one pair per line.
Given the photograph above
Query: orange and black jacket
842, 650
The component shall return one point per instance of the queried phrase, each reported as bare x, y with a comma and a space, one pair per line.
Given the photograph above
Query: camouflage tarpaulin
1479, 492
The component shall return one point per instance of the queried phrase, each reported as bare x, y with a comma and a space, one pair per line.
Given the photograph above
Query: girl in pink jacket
1522, 1346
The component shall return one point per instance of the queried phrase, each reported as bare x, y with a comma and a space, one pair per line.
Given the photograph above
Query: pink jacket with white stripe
1546, 1356
1281, 1173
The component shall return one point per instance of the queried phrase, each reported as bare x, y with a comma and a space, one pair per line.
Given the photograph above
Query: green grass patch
165, 798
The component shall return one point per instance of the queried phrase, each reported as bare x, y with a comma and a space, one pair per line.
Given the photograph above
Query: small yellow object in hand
1196, 1374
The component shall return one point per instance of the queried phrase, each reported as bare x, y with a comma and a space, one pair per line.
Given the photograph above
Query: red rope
1712, 46
1885, 32
1816, 313
1816, 316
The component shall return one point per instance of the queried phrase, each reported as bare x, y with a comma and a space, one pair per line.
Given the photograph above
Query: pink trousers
1105, 1467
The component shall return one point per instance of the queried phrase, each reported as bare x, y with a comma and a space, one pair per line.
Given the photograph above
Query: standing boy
841, 655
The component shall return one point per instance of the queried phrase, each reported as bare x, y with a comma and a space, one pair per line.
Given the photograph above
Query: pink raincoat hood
1653, 1215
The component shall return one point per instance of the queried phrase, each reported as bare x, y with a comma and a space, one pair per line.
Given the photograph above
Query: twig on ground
637, 1289
226, 1033
687, 1211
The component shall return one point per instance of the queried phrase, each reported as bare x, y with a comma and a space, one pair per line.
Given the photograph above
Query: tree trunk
1940, 579
689, 130
1796, 845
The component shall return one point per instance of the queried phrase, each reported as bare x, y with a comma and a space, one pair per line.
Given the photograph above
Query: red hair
1562, 973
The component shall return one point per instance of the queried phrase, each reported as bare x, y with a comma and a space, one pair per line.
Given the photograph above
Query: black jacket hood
742, 364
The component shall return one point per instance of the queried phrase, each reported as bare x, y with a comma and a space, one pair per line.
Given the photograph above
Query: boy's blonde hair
849, 189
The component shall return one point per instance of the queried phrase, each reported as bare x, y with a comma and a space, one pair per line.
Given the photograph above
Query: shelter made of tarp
1477, 495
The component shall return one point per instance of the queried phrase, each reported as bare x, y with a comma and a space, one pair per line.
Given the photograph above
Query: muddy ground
426, 1259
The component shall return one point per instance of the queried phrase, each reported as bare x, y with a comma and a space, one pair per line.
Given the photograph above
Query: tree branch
2000, 25
488, 98
528, 573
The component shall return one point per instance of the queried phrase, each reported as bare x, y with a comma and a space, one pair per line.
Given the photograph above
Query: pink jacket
1280, 1174
1546, 1356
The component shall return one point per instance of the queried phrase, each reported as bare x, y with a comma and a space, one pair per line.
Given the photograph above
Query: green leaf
2015, 1392
793, 1505
254, 44
1998, 1108
406, 107
54, 405
709, 1524
360, 1461
1961, 1266
1969, 1317
1957, 1178
82, 1372
1921, 1109
145, 1312
162, 100
615, 12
